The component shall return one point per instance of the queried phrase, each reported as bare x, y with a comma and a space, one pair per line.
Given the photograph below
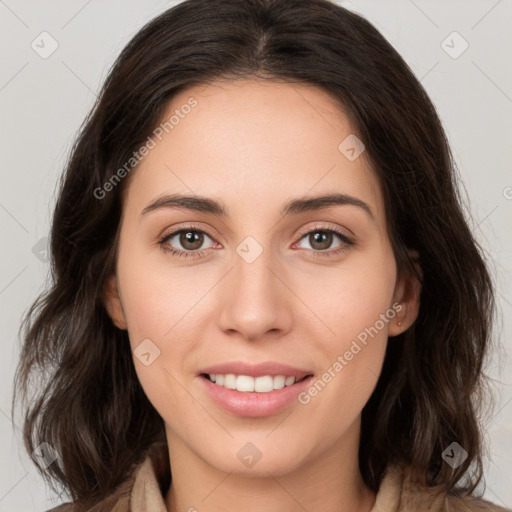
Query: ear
112, 302
407, 294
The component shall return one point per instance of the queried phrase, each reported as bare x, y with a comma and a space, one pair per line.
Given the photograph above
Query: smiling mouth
248, 384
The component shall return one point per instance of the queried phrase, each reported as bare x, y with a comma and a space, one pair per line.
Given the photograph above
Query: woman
264, 284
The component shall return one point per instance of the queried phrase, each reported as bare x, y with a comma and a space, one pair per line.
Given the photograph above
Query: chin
253, 458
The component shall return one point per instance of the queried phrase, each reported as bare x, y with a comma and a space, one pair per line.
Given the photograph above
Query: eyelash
346, 242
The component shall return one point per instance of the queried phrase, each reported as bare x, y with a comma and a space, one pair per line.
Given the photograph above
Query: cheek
156, 306
356, 303
156, 309
351, 298
155, 301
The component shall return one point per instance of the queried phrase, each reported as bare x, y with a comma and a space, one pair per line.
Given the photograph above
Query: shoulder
471, 504
143, 486
65, 507
398, 493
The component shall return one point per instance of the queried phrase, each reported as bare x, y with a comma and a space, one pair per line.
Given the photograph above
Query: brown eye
191, 240
320, 240
186, 242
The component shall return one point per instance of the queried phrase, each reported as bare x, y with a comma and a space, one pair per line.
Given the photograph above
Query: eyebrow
293, 207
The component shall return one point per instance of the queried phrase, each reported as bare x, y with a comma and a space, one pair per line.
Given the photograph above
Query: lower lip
254, 404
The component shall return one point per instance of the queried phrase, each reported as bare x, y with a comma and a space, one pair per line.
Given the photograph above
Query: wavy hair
76, 374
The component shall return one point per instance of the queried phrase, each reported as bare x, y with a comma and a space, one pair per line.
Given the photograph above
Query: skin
256, 145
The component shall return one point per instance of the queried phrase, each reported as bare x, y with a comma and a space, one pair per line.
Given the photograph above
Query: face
276, 289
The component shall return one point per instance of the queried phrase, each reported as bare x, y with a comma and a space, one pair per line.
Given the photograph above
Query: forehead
253, 143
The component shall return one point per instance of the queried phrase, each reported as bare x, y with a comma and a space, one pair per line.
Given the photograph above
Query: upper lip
256, 370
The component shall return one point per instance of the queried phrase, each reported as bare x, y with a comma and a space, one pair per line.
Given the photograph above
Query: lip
257, 370
254, 405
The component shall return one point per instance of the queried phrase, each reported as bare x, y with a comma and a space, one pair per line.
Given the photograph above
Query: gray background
44, 100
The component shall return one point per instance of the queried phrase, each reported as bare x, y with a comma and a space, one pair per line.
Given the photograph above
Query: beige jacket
142, 492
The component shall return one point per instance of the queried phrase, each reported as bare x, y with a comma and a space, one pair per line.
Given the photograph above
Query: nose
254, 300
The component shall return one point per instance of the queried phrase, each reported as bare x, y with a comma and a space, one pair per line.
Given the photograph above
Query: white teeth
230, 381
279, 381
264, 384
289, 381
246, 383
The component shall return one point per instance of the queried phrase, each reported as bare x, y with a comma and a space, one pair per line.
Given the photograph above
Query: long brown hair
76, 373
